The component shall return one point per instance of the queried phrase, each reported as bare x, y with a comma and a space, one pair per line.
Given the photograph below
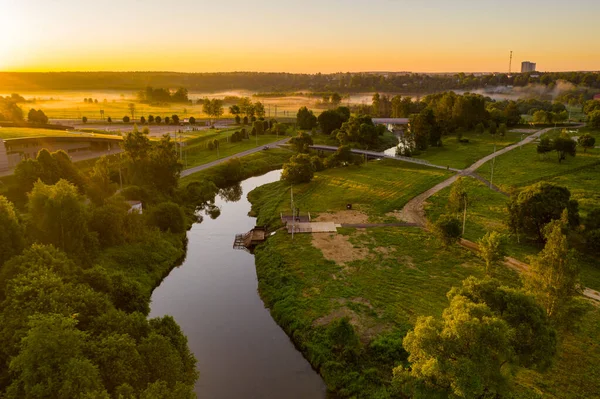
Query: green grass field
199, 154
21, 132
376, 188
386, 277
461, 155
523, 166
70, 105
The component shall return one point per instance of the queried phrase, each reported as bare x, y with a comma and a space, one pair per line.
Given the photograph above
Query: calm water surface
213, 296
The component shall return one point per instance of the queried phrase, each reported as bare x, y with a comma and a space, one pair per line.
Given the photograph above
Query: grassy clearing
382, 279
252, 165
461, 155
487, 212
376, 188
523, 166
200, 154
70, 105
21, 132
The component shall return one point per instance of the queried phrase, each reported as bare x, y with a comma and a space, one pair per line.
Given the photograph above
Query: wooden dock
251, 239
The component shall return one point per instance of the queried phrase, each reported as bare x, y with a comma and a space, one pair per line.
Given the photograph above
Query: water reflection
213, 296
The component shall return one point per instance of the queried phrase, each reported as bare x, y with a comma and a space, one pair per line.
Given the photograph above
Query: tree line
78, 266
283, 82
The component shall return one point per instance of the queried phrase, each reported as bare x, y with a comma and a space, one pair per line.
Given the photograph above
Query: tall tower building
527, 66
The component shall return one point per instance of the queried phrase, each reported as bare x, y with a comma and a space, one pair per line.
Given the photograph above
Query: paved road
199, 168
386, 156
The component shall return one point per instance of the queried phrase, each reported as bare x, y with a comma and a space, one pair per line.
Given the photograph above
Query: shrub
168, 216
447, 229
126, 119
298, 170
84, 119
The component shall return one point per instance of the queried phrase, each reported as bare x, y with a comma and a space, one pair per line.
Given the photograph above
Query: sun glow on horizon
281, 36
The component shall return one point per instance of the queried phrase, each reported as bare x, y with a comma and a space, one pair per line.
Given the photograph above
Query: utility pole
493, 163
464, 218
293, 210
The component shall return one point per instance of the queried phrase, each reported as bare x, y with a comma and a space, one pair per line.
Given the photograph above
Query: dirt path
414, 210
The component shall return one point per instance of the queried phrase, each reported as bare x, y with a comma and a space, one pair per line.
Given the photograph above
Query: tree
131, 107
175, 119
491, 250
424, 130
302, 142
11, 232
502, 129
545, 146
586, 141
150, 118
336, 99
298, 170
493, 127
235, 110
553, 276
479, 128
52, 364
542, 117
58, 217
142, 120
167, 120
306, 119
329, 121
126, 119
534, 339
593, 119
84, 119
238, 120
464, 353
109, 119
164, 166
158, 119
192, 120
564, 145
37, 116
259, 109
447, 229
168, 216
535, 206
458, 198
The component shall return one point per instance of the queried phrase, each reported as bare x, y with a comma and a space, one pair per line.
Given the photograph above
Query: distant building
527, 66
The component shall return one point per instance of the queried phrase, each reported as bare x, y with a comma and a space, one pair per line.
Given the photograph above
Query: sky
306, 36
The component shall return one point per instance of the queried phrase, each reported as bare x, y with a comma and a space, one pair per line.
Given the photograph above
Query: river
241, 351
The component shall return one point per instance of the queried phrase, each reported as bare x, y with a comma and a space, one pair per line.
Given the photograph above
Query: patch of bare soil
407, 261
344, 217
367, 327
338, 248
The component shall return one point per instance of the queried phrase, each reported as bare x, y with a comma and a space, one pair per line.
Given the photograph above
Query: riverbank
348, 299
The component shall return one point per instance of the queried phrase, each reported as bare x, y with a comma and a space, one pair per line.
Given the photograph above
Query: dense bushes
168, 216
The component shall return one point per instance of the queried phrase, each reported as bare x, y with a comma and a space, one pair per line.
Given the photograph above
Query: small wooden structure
287, 219
251, 239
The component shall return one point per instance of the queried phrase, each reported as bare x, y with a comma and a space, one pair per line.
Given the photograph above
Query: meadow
22, 132
375, 189
462, 155
524, 166
383, 278
69, 105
